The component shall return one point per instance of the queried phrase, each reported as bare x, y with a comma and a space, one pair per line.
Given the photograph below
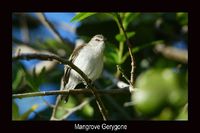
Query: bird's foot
88, 84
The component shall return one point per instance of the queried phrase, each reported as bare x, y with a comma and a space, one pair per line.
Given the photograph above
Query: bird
88, 58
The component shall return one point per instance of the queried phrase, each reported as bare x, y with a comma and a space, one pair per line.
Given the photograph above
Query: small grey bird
89, 58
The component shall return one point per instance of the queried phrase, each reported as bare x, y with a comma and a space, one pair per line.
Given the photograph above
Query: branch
99, 103
173, 53
51, 27
74, 91
24, 29
115, 81
79, 107
129, 49
123, 75
51, 57
113, 103
63, 61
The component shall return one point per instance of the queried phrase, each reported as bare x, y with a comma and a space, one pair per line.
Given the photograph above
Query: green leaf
81, 16
15, 111
128, 18
88, 110
39, 78
18, 80
139, 48
27, 113
114, 15
17, 116
182, 18
113, 57
183, 115
136, 49
166, 114
111, 54
31, 81
63, 108
121, 38
34, 73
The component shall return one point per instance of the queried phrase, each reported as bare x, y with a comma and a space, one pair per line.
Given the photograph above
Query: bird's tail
71, 85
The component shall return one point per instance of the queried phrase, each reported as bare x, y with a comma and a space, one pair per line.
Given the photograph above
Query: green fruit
148, 102
155, 86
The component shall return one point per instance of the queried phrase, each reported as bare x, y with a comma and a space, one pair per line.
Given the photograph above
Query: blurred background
160, 49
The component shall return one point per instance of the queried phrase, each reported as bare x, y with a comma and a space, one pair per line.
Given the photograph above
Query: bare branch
173, 53
115, 81
123, 75
24, 28
63, 61
74, 91
99, 103
129, 49
79, 107
112, 101
51, 27
51, 57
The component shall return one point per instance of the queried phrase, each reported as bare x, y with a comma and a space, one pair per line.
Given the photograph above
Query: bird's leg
87, 84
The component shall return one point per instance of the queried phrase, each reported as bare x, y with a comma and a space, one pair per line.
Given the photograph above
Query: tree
136, 82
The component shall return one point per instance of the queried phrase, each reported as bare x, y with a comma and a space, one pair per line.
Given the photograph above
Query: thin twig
51, 57
79, 107
113, 102
24, 28
129, 49
99, 103
46, 102
173, 53
51, 27
114, 80
123, 75
63, 61
74, 91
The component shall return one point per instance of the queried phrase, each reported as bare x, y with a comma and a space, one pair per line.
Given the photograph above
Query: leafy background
162, 83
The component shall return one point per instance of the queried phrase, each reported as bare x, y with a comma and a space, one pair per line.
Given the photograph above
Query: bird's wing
72, 58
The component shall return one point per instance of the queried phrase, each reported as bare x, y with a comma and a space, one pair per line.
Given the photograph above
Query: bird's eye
97, 40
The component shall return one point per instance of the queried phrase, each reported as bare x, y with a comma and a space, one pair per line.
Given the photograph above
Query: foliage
81, 16
162, 84
24, 116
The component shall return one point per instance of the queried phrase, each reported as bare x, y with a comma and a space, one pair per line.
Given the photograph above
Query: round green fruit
154, 87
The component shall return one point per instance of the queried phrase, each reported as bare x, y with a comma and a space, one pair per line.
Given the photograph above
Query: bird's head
97, 40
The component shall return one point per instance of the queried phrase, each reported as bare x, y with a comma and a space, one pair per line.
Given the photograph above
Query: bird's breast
90, 62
